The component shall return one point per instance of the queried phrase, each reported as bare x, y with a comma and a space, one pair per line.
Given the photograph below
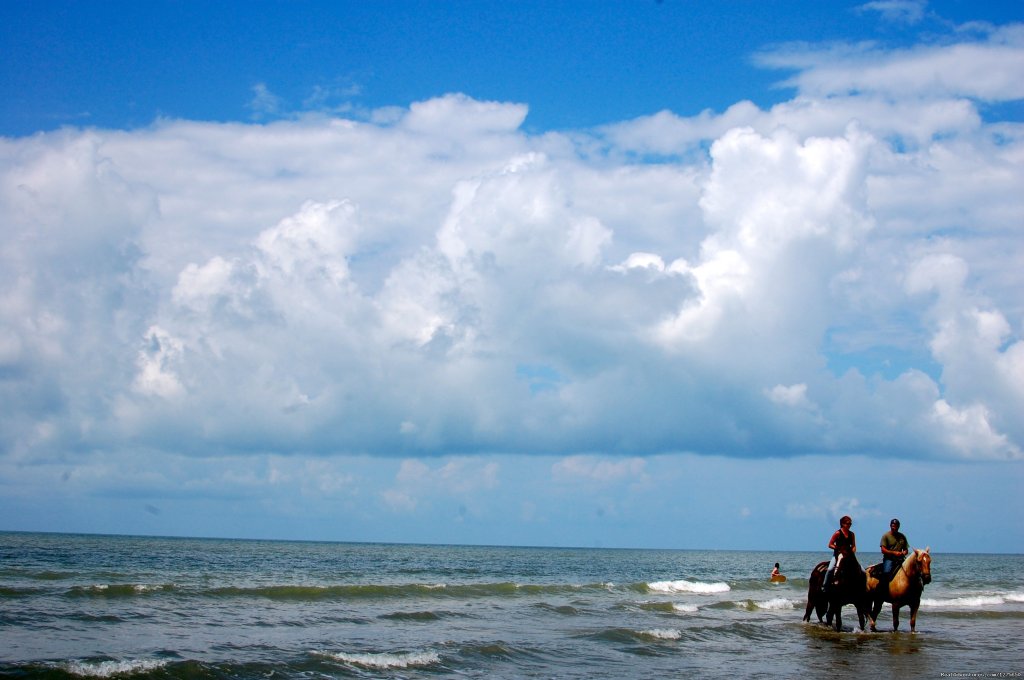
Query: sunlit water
102, 606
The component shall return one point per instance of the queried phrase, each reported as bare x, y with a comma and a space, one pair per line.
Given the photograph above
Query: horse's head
923, 559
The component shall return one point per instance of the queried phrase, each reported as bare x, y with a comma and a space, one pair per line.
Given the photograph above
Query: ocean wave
775, 603
669, 607
360, 591
111, 667
12, 592
684, 586
119, 589
420, 615
662, 633
384, 660
564, 609
973, 601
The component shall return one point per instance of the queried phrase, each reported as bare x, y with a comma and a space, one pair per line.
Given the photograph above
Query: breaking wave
384, 660
684, 586
111, 668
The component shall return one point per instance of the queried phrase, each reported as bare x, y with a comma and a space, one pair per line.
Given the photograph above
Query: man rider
894, 549
841, 540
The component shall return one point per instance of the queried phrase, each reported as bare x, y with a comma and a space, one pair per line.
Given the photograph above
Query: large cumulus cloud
838, 274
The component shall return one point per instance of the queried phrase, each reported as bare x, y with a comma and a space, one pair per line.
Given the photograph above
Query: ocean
85, 606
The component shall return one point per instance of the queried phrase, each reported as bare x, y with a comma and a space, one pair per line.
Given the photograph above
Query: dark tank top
842, 543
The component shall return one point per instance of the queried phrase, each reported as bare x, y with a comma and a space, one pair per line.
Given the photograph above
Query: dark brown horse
904, 589
848, 587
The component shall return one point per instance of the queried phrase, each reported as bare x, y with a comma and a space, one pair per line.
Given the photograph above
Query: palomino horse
848, 587
904, 588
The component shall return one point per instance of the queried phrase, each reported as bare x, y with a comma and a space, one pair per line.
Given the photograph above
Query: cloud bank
837, 275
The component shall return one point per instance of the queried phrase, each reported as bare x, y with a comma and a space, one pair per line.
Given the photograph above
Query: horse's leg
864, 612
876, 609
815, 602
913, 616
895, 616
814, 597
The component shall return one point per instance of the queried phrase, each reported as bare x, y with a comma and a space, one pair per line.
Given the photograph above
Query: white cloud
989, 69
789, 395
601, 471
970, 433
323, 286
458, 114
899, 11
399, 501
264, 102
831, 509
155, 365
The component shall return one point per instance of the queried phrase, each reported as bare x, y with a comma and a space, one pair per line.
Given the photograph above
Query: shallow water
102, 606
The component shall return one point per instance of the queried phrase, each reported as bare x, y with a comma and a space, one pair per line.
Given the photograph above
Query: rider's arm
891, 551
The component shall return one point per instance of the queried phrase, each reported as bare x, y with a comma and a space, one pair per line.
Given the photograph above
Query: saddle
875, 571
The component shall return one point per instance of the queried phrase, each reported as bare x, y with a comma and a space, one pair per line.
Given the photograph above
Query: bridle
903, 567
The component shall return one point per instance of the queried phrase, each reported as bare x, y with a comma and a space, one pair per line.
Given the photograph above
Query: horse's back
816, 577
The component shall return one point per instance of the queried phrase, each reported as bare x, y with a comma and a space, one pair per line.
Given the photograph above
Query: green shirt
894, 540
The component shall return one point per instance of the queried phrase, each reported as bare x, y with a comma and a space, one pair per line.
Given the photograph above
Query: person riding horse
903, 589
843, 540
895, 548
848, 586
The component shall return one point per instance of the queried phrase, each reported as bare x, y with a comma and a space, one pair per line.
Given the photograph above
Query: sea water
75, 606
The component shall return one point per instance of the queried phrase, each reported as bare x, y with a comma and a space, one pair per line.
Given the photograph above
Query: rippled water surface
104, 606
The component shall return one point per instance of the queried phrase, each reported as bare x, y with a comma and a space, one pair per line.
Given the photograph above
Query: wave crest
973, 601
684, 586
111, 668
662, 633
385, 660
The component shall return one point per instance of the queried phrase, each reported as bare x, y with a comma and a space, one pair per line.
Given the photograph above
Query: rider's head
895, 523
845, 521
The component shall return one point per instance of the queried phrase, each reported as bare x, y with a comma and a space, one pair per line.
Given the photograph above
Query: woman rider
843, 539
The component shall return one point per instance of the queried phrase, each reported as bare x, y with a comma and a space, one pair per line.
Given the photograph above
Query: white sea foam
973, 601
685, 608
109, 669
663, 633
385, 660
684, 586
775, 603
150, 588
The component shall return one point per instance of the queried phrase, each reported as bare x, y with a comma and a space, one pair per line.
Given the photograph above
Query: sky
656, 274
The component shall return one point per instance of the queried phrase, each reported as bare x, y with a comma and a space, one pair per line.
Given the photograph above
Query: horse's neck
904, 579
910, 566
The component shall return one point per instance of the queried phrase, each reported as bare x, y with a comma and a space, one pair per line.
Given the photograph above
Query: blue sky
645, 274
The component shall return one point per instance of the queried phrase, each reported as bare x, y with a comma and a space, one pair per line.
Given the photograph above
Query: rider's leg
827, 583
